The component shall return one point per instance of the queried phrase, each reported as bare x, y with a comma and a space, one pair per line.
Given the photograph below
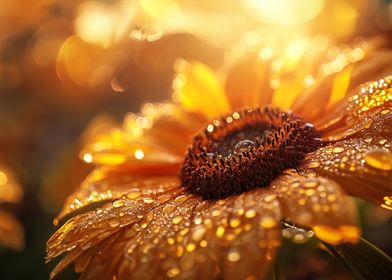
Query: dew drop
170, 241
198, 219
233, 256
250, 213
71, 248
267, 222
114, 222
220, 231
203, 243
164, 197
173, 272
216, 212
368, 139
144, 224
310, 183
243, 146
181, 198
269, 198
382, 141
379, 159
168, 208
198, 233
177, 219
190, 247
368, 123
134, 193
148, 200
184, 231
314, 164
235, 222
118, 203
337, 150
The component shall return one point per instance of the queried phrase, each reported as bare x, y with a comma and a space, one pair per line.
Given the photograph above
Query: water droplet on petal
250, 213
233, 256
134, 193
268, 222
314, 164
310, 183
220, 231
235, 222
181, 198
198, 233
118, 203
173, 272
168, 208
177, 219
337, 150
114, 222
379, 159
148, 200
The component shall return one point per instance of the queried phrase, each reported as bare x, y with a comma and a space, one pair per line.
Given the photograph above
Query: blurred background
69, 67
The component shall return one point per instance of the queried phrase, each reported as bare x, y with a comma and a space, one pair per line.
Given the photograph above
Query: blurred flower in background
62, 63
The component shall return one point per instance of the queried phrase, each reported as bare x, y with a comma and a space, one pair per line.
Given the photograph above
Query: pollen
245, 150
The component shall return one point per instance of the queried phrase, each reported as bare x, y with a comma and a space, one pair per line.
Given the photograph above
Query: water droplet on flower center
243, 146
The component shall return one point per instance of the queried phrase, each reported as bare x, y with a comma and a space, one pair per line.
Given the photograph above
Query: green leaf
365, 259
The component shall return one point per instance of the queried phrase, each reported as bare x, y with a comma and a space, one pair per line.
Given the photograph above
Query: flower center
245, 150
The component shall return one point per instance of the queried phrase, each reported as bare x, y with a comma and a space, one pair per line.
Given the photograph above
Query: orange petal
157, 136
363, 167
106, 184
85, 231
230, 238
371, 104
165, 124
11, 231
197, 89
337, 90
317, 203
247, 83
180, 237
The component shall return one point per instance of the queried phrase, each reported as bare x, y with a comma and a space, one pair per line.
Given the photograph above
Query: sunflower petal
246, 83
181, 237
11, 231
197, 89
196, 239
339, 115
363, 167
317, 203
107, 184
156, 137
371, 104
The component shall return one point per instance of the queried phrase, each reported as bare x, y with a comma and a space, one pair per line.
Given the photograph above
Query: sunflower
11, 231
200, 187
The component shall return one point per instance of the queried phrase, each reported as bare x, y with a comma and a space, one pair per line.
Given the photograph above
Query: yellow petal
318, 203
197, 89
340, 86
